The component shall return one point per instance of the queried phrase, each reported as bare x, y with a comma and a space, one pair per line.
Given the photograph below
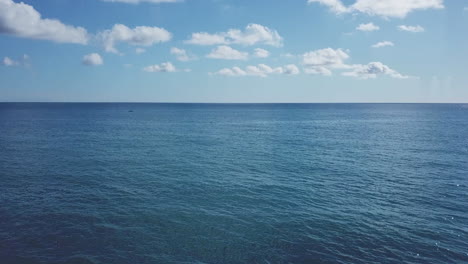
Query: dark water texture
233, 183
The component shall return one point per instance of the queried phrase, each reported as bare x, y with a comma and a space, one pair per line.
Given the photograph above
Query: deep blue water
234, 183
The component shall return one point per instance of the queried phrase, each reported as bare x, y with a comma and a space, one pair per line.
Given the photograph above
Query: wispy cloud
413, 29
23, 61
383, 44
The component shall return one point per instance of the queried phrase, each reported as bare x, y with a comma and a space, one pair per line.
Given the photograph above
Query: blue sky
234, 51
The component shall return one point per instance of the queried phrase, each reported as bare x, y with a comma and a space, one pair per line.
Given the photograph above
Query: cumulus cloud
291, 69
22, 20
142, 1
384, 8
371, 70
335, 6
139, 36
227, 53
164, 67
92, 59
368, 27
181, 54
206, 39
261, 53
413, 29
261, 70
323, 60
251, 35
383, 44
23, 61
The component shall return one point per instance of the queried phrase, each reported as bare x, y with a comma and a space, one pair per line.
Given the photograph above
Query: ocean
233, 183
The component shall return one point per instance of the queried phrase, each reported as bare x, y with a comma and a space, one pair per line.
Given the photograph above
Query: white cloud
227, 53
318, 71
371, 70
203, 38
335, 6
164, 67
23, 61
324, 61
252, 34
384, 8
383, 44
261, 53
181, 54
261, 70
368, 27
291, 69
141, 1
414, 29
139, 36
234, 71
22, 20
321, 61
9, 62
140, 50
92, 59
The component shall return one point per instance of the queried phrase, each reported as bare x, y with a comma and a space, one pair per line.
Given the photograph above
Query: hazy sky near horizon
234, 50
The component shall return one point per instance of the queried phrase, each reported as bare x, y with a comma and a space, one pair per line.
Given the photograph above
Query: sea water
233, 183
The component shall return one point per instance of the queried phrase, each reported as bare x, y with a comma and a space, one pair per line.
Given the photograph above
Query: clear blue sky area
234, 50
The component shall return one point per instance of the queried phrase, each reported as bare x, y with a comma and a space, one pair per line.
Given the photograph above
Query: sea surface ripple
233, 183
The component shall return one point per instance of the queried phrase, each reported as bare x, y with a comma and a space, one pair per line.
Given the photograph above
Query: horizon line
139, 102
